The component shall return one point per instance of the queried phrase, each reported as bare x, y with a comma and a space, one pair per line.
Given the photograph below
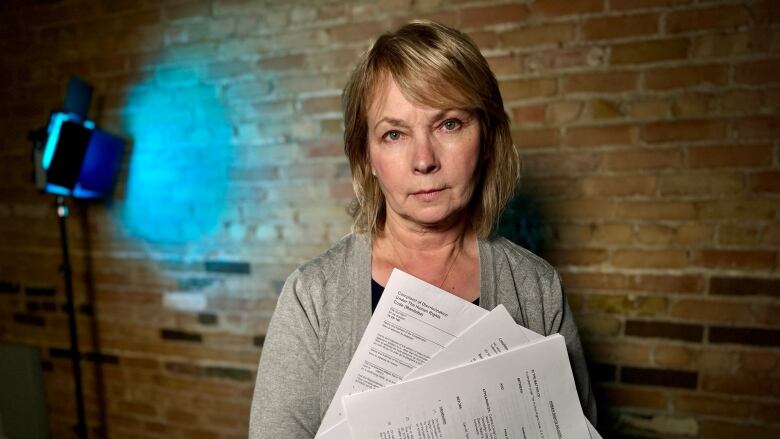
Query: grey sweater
325, 306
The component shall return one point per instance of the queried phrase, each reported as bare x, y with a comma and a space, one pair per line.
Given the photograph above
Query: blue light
53, 130
180, 158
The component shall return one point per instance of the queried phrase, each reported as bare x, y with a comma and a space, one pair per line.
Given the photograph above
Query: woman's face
423, 157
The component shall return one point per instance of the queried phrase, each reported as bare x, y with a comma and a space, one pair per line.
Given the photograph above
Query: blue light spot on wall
180, 157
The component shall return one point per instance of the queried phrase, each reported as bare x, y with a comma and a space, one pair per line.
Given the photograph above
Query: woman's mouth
427, 194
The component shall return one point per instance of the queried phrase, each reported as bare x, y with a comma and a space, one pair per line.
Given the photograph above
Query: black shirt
377, 290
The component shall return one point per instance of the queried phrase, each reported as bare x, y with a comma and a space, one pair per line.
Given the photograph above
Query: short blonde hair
440, 67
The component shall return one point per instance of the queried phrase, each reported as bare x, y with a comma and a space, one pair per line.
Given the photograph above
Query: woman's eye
392, 135
451, 124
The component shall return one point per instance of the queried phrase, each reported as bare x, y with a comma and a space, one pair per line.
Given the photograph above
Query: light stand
75, 358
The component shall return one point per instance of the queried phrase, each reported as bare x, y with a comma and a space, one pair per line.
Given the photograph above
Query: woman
432, 165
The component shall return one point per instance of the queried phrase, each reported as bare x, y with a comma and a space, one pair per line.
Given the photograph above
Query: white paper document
412, 321
522, 393
431, 365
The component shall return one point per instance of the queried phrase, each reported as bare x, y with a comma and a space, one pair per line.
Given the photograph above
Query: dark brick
259, 340
32, 307
228, 267
173, 334
208, 319
229, 373
60, 353
184, 368
40, 292
101, 358
659, 377
48, 306
194, 283
602, 372
746, 336
745, 286
47, 365
28, 319
676, 331
86, 309
8, 287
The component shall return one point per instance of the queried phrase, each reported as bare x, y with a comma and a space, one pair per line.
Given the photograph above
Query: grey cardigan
325, 306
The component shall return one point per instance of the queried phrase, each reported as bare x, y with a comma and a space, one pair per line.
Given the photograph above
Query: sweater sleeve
287, 391
563, 323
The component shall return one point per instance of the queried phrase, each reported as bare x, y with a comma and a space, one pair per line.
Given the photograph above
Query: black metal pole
62, 214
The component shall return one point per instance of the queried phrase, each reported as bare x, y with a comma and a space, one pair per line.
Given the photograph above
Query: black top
377, 290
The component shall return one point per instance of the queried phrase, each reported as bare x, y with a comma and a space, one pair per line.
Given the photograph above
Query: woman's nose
425, 160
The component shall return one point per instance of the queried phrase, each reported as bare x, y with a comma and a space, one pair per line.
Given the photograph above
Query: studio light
73, 158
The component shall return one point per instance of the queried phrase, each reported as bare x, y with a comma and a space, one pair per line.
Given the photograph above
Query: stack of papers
432, 365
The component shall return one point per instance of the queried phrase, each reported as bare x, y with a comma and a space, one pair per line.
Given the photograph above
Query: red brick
674, 355
618, 185
707, 18
620, 26
558, 164
614, 233
649, 51
621, 5
578, 256
321, 104
735, 209
603, 109
529, 114
765, 181
610, 82
505, 64
581, 209
555, 33
729, 156
712, 311
767, 412
656, 210
566, 7
594, 281
740, 385
758, 128
684, 130
668, 283
741, 101
759, 361
564, 112
535, 138
744, 259
729, 234
527, 88
757, 72
699, 184
635, 159
352, 32
480, 16
601, 135
281, 63
715, 405
677, 77
649, 258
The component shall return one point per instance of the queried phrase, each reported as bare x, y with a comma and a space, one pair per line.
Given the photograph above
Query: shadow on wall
178, 174
523, 223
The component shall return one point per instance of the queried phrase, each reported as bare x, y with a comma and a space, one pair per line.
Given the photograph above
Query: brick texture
648, 131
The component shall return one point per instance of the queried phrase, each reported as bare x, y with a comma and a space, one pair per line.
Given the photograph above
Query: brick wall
649, 133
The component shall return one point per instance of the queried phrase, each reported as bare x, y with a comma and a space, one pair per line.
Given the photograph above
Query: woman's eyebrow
392, 121
437, 116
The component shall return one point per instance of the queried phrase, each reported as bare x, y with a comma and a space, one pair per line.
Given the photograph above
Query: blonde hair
440, 67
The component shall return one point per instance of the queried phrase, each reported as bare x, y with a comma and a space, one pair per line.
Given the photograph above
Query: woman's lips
427, 194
